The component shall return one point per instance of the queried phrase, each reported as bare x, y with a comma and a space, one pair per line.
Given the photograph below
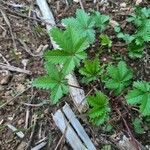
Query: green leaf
100, 107
72, 49
138, 126
117, 29
101, 21
54, 80
83, 24
118, 77
140, 95
135, 51
105, 40
126, 37
91, 70
141, 19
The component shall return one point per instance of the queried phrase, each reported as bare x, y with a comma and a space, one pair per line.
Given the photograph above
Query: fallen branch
14, 129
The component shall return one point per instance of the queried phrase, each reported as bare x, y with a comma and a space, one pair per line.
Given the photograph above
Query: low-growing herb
72, 49
100, 108
91, 70
118, 77
53, 80
140, 96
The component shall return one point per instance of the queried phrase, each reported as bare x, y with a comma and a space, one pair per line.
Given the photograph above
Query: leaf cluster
136, 42
91, 70
72, 42
84, 23
118, 77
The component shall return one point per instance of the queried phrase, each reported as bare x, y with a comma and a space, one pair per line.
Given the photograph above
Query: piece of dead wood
123, 142
14, 129
71, 128
13, 68
77, 95
69, 132
78, 127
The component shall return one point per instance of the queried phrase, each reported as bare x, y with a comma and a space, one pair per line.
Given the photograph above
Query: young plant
141, 20
53, 80
84, 23
72, 47
100, 108
101, 21
91, 70
105, 40
140, 96
118, 77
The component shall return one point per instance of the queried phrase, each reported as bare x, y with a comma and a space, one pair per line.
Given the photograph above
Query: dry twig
13, 68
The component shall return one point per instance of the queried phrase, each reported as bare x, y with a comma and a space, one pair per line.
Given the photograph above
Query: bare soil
23, 39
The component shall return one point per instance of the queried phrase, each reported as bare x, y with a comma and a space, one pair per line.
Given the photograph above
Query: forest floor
23, 39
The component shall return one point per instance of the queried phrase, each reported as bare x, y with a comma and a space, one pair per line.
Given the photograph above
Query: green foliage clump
53, 80
91, 70
118, 77
72, 47
136, 42
101, 21
105, 40
84, 24
140, 95
72, 42
100, 107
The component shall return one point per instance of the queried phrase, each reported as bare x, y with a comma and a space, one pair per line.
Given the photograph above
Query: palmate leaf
100, 107
83, 24
54, 80
118, 77
72, 47
91, 70
140, 95
101, 21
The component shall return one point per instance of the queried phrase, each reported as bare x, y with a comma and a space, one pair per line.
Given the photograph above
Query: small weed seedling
91, 70
118, 78
105, 40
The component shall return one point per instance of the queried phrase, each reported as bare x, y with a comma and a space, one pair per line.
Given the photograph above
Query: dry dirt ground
23, 39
